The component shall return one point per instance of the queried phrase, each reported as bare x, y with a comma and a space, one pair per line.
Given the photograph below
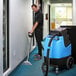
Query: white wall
20, 23
46, 24
1, 38
74, 12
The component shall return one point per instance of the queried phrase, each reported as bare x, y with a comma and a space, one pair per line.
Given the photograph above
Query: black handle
51, 40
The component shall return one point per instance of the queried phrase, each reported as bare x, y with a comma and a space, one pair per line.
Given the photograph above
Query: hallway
17, 19
35, 69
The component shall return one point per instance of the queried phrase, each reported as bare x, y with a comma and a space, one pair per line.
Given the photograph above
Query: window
61, 14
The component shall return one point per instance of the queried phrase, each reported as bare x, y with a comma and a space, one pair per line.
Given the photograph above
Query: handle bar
30, 34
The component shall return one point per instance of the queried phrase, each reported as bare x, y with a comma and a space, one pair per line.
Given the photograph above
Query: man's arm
34, 27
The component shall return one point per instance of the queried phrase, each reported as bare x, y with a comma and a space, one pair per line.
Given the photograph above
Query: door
5, 35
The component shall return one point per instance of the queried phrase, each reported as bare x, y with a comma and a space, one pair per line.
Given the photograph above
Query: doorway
60, 14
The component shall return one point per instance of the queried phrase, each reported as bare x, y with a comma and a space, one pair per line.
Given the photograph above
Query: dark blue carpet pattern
35, 68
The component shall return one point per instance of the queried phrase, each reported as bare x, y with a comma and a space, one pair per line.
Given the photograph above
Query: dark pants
39, 38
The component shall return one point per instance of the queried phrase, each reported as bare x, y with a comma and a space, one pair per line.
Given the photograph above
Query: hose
48, 60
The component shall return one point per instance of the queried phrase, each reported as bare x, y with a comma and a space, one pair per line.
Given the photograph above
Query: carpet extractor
57, 51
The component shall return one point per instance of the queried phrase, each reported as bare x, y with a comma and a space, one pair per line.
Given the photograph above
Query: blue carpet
35, 69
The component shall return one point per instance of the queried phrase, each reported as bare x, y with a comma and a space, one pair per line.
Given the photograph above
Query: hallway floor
35, 69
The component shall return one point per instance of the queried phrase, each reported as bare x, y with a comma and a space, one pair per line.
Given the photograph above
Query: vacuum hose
48, 60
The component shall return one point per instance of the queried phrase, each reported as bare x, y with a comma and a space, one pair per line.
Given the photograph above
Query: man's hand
31, 31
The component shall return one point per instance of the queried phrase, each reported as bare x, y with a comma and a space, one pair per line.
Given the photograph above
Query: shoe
36, 54
38, 57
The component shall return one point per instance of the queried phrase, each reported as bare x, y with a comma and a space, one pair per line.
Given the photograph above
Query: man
38, 29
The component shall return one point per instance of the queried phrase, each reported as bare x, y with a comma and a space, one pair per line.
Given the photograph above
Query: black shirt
39, 19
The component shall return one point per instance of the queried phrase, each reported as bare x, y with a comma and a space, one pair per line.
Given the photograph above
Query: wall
20, 22
46, 24
1, 38
74, 12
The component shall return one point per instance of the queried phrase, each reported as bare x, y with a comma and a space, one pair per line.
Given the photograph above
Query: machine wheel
70, 62
44, 66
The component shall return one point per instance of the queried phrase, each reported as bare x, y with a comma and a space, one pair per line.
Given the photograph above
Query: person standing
38, 29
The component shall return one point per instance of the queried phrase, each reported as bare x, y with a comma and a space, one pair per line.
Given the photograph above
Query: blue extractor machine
57, 50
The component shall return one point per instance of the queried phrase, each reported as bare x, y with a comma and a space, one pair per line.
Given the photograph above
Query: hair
34, 5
